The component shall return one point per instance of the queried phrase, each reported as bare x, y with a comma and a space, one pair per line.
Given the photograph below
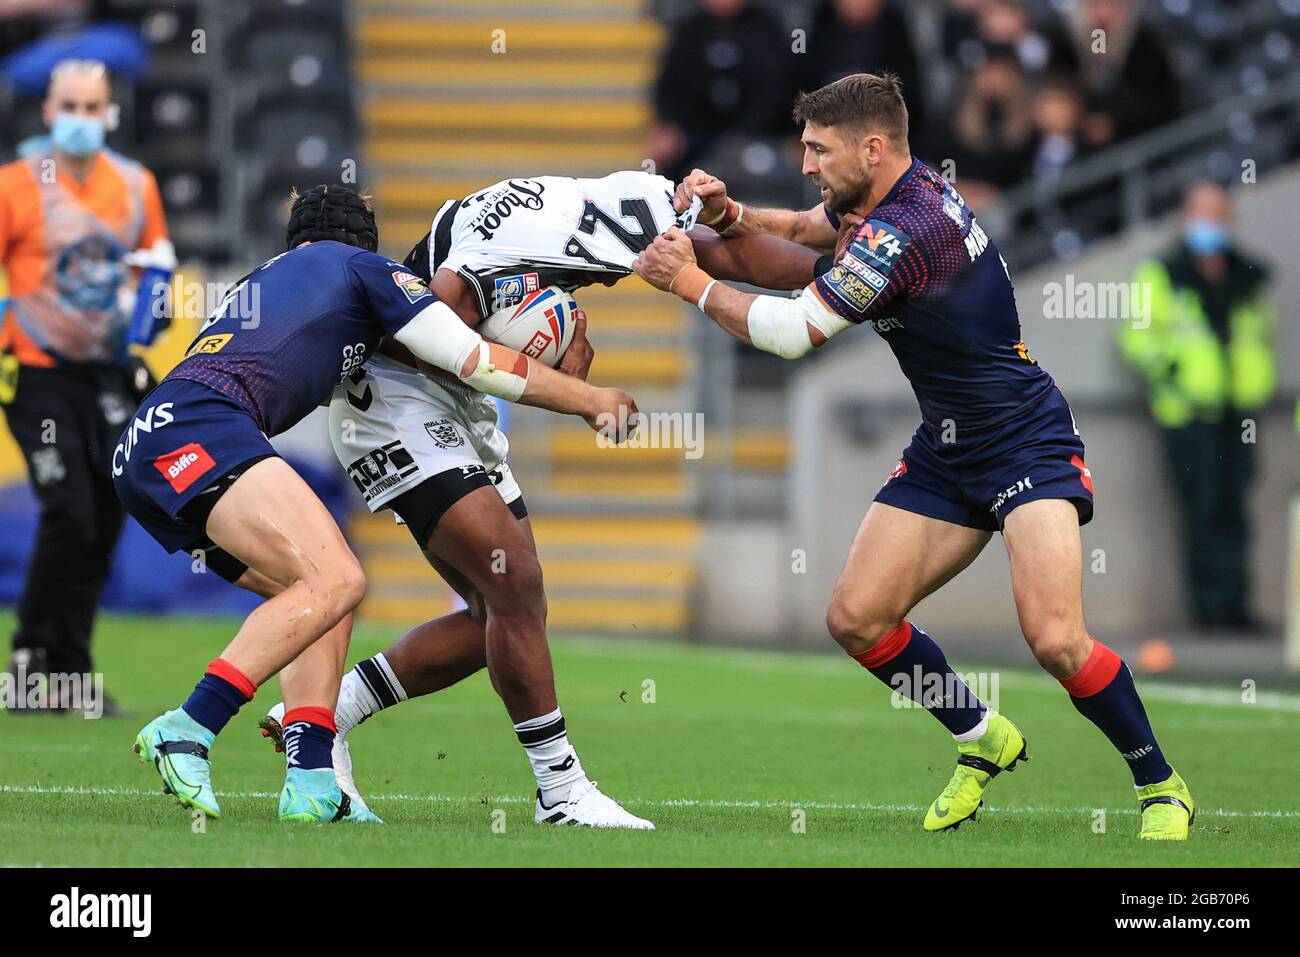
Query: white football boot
273, 727
588, 807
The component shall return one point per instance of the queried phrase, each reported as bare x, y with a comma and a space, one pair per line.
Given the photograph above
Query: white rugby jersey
522, 234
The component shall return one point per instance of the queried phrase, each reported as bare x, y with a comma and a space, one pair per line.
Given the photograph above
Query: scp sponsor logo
381, 469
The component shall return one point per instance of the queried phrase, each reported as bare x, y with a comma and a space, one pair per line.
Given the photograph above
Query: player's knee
857, 626
1057, 646
513, 588
352, 583
344, 582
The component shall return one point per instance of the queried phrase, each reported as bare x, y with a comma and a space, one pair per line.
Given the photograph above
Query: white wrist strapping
780, 326
705, 295
439, 337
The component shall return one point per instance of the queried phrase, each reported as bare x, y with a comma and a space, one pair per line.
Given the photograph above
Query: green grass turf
734, 743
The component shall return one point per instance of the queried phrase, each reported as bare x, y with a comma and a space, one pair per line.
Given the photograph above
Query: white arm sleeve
780, 326
439, 337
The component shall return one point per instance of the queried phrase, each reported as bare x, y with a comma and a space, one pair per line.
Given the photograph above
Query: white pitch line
667, 803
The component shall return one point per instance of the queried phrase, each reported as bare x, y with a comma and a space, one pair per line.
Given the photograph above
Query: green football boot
978, 763
1167, 810
178, 747
314, 797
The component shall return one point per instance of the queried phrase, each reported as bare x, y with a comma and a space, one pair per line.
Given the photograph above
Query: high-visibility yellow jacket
1192, 373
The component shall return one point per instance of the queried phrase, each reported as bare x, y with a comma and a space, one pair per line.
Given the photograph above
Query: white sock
367, 689
977, 732
555, 763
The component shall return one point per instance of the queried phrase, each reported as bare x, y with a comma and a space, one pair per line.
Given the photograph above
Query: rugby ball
540, 326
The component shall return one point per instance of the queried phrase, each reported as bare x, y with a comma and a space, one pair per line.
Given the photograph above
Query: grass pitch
743, 758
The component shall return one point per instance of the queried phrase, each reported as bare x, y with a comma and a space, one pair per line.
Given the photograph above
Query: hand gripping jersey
520, 235
296, 326
932, 283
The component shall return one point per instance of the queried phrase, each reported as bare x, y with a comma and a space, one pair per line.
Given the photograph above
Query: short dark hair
867, 102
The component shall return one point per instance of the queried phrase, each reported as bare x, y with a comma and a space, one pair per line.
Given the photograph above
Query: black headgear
332, 212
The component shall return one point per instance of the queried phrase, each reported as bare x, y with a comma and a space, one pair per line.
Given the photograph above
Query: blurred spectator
864, 36
1208, 356
74, 220
992, 129
1123, 68
987, 29
727, 68
1058, 128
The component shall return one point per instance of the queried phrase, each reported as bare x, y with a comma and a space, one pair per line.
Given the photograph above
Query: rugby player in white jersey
428, 448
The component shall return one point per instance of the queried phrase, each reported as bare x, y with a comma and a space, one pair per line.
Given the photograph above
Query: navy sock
1103, 692
909, 661
213, 702
309, 738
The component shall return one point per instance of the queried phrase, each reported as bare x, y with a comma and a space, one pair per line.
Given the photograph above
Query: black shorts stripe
423, 506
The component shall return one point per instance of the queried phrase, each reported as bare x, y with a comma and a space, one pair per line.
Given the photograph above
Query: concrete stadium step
577, 613
444, 116
560, 572
631, 367
525, 35
386, 71
489, 158
552, 117
760, 449
638, 533
586, 9
619, 573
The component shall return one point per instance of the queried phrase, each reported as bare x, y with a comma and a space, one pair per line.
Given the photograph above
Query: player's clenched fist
711, 191
663, 259
613, 413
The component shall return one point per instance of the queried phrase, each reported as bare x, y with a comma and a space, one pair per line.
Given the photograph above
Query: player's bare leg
269, 519
490, 559
898, 558
1043, 541
480, 538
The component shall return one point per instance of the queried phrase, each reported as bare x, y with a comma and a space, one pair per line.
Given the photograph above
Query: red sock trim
223, 669
321, 717
1096, 674
887, 648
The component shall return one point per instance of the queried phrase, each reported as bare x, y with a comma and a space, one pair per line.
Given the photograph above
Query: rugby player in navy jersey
196, 469
997, 449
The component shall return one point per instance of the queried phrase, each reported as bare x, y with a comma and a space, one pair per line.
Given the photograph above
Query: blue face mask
1205, 237
77, 135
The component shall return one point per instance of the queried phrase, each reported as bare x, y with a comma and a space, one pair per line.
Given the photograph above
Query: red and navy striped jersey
923, 272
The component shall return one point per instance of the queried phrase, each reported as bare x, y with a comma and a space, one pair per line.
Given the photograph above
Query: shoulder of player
914, 225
